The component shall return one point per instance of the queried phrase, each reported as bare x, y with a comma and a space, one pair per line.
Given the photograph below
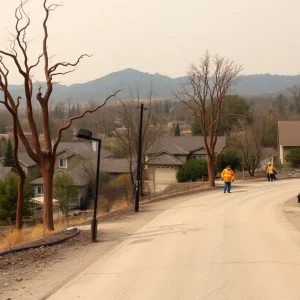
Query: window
40, 190
63, 163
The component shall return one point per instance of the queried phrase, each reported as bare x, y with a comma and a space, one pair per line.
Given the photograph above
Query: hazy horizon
163, 36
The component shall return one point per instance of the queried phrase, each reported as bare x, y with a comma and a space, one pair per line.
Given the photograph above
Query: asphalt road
237, 246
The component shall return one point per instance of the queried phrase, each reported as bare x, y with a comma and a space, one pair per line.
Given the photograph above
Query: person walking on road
270, 172
228, 177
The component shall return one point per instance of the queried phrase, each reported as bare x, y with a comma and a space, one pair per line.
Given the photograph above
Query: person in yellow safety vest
270, 172
227, 176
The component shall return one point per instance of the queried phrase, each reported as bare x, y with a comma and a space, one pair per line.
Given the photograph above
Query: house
170, 152
70, 158
28, 165
81, 182
182, 124
116, 167
7, 171
70, 154
269, 154
288, 139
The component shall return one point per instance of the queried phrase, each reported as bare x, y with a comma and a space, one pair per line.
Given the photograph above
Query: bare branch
69, 124
36, 64
65, 64
63, 73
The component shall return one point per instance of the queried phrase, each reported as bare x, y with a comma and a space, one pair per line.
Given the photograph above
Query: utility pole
139, 158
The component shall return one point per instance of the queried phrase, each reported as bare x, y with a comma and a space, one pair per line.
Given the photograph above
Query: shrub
229, 157
192, 170
9, 197
294, 157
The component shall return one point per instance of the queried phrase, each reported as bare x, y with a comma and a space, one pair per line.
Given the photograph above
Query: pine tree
77, 109
73, 111
3, 129
177, 130
8, 160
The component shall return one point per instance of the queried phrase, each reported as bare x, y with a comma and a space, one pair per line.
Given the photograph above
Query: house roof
4, 171
83, 149
183, 145
269, 151
79, 180
289, 133
114, 165
164, 159
25, 159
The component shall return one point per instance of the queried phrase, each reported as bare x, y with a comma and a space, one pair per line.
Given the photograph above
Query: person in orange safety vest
228, 177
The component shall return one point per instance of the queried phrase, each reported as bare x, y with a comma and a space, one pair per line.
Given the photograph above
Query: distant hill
163, 86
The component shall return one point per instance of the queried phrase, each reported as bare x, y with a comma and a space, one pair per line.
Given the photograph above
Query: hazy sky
165, 36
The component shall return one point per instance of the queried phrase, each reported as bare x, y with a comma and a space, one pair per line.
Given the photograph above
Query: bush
294, 157
192, 170
229, 157
9, 197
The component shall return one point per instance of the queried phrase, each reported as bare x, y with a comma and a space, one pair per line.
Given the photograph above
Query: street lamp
87, 135
138, 174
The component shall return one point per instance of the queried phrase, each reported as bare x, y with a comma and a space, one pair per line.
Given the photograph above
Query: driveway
236, 246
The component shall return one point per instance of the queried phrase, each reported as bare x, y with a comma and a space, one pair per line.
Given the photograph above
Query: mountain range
162, 86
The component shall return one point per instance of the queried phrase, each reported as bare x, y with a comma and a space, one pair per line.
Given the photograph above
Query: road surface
237, 246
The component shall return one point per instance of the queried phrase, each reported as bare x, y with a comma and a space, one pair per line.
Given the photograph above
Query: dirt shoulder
37, 273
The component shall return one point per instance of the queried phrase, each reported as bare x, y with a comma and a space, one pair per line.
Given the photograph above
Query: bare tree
124, 124
12, 107
204, 93
249, 143
44, 156
295, 91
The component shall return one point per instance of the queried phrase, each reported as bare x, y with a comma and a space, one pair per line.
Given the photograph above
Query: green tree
3, 129
8, 160
279, 105
196, 130
65, 191
167, 107
294, 157
9, 197
177, 130
229, 157
192, 170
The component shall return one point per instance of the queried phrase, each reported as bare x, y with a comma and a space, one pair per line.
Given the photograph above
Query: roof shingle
289, 133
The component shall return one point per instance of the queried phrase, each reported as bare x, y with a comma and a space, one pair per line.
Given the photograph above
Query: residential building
7, 171
70, 154
288, 139
116, 167
81, 182
269, 154
170, 152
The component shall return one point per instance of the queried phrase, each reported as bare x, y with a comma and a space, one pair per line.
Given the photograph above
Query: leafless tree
249, 143
124, 124
44, 156
204, 93
295, 92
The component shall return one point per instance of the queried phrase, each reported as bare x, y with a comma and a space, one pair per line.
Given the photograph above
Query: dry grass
119, 205
10, 238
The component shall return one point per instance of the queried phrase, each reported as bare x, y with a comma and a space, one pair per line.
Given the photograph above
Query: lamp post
138, 174
87, 135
